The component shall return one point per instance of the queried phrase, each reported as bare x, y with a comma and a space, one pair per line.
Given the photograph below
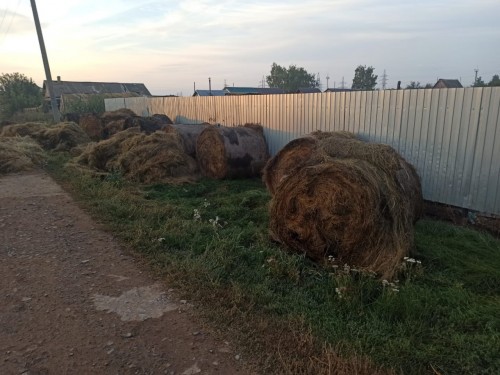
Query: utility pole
475, 77
327, 79
48, 76
384, 80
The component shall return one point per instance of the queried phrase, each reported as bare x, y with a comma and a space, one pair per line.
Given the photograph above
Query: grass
210, 239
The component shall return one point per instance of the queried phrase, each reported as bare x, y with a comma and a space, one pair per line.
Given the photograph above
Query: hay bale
114, 127
92, 125
118, 114
224, 152
21, 130
336, 195
61, 137
162, 119
19, 154
340, 208
158, 157
189, 134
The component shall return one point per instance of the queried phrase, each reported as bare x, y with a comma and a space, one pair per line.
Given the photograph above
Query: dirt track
72, 301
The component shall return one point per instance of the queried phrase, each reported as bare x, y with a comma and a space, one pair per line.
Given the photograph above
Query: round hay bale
162, 119
290, 158
19, 154
116, 126
147, 125
189, 134
224, 152
341, 208
92, 125
61, 137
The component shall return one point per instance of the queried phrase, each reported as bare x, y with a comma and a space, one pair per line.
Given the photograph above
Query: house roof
448, 83
253, 90
308, 90
337, 90
209, 93
72, 87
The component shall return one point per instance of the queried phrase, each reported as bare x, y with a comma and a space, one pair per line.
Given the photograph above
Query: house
337, 90
308, 90
447, 84
252, 90
209, 93
73, 87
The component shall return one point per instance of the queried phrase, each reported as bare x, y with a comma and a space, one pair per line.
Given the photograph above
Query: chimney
58, 78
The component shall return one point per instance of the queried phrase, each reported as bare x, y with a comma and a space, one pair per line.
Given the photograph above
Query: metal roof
253, 90
71, 87
308, 90
209, 93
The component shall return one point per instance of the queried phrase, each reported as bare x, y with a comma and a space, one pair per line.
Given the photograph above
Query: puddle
137, 304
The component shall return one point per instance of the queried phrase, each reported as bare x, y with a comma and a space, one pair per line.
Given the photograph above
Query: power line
11, 19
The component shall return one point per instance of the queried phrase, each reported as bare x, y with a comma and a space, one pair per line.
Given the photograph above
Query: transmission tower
383, 80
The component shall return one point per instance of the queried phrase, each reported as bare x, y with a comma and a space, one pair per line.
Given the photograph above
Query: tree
290, 79
18, 92
414, 85
478, 82
495, 81
364, 79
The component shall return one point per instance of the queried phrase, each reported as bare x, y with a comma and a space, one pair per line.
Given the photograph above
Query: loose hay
158, 157
19, 154
92, 125
61, 137
118, 114
21, 130
224, 152
336, 195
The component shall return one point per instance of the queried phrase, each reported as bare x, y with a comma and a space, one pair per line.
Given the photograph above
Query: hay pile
91, 124
336, 195
231, 152
59, 137
158, 157
19, 154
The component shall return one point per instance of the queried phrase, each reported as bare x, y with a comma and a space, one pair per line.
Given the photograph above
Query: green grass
444, 319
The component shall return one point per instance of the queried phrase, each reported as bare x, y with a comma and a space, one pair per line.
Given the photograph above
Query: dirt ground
74, 301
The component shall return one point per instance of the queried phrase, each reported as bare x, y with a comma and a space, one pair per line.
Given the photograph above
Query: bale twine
224, 152
189, 134
340, 208
19, 154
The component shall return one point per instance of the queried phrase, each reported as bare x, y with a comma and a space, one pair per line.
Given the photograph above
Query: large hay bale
61, 137
336, 195
21, 130
158, 157
162, 119
189, 134
19, 154
118, 114
224, 152
340, 208
92, 125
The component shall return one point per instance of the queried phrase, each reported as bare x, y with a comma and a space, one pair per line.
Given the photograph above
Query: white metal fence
452, 136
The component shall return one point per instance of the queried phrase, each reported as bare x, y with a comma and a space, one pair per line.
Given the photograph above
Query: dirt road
72, 301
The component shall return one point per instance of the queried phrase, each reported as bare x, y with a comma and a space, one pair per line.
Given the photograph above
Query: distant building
308, 90
73, 87
447, 84
209, 93
337, 90
253, 91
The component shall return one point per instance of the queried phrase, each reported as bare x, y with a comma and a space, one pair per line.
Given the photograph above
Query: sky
170, 45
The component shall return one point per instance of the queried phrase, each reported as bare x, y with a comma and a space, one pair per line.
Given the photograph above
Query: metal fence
452, 136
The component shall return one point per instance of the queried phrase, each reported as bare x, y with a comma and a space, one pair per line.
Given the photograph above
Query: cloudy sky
169, 44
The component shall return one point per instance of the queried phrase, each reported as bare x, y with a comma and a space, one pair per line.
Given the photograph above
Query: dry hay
19, 154
61, 137
118, 114
92, 125
224, 152
189, 134
21, 130
158, 157
336, 195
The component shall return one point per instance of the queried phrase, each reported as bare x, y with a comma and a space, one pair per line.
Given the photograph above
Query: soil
73, 300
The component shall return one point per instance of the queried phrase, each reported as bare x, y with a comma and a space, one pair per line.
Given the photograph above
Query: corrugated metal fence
452, 136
